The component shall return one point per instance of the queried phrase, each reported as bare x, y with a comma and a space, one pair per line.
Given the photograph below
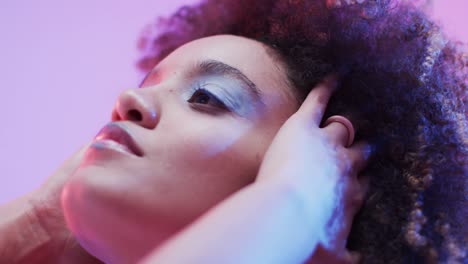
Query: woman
228, 99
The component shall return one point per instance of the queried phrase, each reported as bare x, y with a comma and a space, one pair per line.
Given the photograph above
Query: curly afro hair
403, 85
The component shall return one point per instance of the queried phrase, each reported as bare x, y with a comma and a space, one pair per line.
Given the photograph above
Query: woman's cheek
210, 142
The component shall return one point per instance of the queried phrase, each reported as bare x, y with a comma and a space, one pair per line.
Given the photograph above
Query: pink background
62, 65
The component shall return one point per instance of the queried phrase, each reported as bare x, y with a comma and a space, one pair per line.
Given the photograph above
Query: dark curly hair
403, 85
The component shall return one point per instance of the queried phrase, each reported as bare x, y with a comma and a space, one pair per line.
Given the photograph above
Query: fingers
316, 102
337, 133
340, 130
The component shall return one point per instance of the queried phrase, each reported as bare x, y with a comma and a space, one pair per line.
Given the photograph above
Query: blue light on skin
238, 104
228, 92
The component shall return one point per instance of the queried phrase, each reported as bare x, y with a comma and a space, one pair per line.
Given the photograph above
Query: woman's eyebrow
214, 67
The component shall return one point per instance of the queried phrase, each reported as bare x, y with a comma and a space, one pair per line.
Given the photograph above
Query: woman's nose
136, 107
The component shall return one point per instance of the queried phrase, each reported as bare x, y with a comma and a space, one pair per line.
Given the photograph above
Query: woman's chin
104, 224
86, 218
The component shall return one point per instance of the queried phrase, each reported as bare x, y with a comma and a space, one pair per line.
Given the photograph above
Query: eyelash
200, 90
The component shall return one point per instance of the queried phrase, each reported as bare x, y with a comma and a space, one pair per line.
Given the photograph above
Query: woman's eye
203, 97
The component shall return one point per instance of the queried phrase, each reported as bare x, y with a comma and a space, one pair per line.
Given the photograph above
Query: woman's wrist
265, 222
316, 200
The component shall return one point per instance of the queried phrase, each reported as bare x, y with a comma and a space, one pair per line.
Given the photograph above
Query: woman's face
200, 132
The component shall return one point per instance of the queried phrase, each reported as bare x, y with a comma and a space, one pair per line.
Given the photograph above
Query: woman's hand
318, 164
48, 211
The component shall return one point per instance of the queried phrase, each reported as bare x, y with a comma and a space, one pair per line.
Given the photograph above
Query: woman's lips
115, 135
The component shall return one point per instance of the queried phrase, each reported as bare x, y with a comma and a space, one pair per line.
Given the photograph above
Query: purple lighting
63, 65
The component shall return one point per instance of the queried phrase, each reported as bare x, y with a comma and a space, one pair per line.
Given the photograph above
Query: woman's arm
22, 237
262, 223
33, 229
27, 238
